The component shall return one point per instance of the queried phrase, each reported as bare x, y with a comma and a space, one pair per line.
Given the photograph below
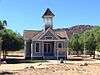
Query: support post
42, 49
31, 50
55, 50
57, 54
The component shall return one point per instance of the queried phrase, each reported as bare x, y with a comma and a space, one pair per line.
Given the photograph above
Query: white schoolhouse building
47, 43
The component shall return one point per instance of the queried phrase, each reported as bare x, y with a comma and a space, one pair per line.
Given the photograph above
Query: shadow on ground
17, 61
6, 73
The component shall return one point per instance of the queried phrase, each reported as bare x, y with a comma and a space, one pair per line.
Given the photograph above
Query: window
48, 20
60, 45
48, 37
37, 47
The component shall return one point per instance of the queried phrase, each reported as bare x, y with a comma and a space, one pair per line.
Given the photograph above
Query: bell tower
48, 19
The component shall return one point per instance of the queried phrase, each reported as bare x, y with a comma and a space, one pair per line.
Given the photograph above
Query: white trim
37, 56
42, 48
50, 40
31, 49
39, 47
49, 29
48, 36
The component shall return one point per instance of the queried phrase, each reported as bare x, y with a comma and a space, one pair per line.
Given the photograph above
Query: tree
91, 45
91, 41
74, 43
11, 41
2, 27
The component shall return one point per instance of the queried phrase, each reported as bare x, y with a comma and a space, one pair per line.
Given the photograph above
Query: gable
49, 35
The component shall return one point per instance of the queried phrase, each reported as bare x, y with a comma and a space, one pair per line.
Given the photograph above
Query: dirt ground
52, 67
61, 69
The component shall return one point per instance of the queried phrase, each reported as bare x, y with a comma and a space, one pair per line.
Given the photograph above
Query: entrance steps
50, 57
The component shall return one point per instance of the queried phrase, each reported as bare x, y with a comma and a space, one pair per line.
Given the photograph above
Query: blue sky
26, 14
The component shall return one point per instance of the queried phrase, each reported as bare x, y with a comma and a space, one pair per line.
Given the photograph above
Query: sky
27, 14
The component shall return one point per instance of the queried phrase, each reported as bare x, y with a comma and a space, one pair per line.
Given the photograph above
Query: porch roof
49, 40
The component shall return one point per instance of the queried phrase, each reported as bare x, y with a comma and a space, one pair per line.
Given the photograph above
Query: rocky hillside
76, 29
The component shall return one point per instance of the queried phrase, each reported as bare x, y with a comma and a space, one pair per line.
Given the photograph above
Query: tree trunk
94, 55
90, 55
4, 54
77, 53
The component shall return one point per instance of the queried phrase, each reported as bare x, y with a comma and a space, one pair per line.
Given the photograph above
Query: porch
47, 49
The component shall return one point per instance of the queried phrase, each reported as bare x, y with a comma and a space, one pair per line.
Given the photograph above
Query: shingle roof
62, 34
28, 34
31, 34
38, 35
48, 13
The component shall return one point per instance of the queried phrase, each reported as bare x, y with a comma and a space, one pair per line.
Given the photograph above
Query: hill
96, 32
75, 29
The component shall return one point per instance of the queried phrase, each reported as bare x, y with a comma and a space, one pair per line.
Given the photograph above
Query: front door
48, 49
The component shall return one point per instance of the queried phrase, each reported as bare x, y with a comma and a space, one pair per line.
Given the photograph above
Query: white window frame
61, 44
39, 47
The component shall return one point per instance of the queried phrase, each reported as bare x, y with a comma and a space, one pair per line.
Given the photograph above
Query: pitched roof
52, 31
35, 35
62, 34
28, 34
48, 13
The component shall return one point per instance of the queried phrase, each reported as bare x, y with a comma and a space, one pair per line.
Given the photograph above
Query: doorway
48, 48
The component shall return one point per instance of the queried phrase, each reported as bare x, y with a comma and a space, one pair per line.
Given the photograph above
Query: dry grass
61, 69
